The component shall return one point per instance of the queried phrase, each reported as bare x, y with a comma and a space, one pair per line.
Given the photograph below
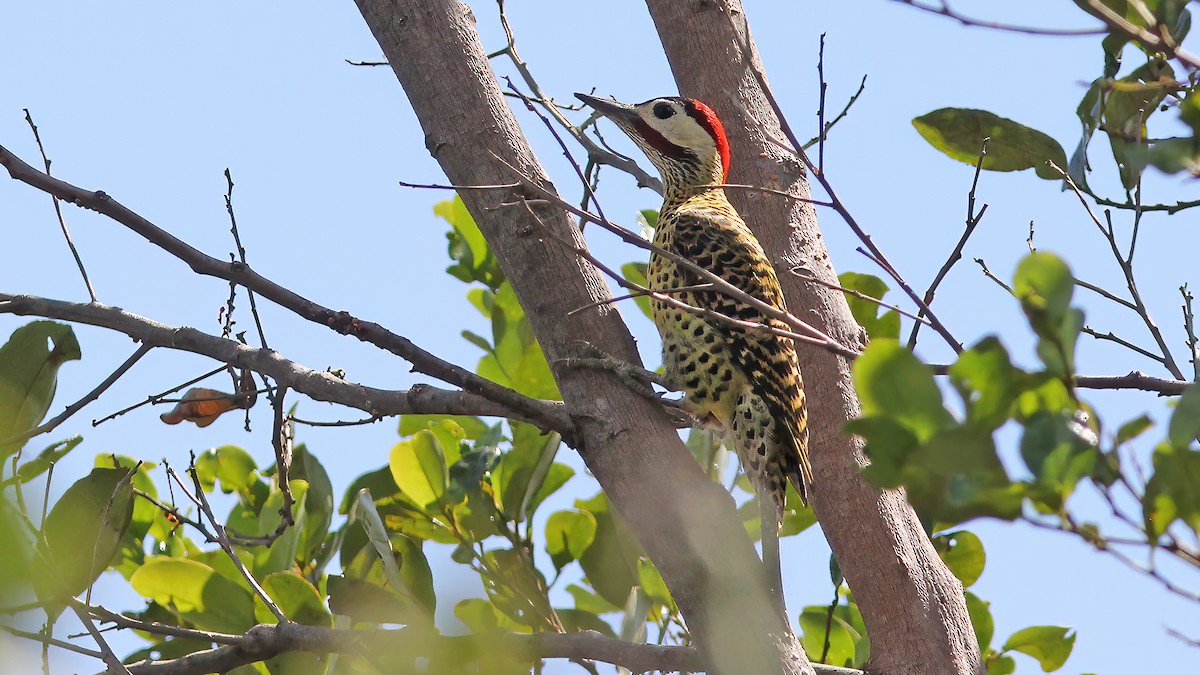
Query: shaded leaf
959, 133
981, 619
29, 364
83, 532
40, 464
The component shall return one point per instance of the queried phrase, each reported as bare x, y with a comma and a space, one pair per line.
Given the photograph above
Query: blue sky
152, 103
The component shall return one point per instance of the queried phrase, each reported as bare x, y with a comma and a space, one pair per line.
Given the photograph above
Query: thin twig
1111, 337
829, 125
156, 398
227, 546
1189, 329
858, 294
956, 255
1106, 294
241, 251
988, 273
115, 666
62, 223
281, 441
944, 9
822, 87
596, 153
1126, 265
46, 639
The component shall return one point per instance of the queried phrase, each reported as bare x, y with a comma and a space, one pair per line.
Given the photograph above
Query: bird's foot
635, 377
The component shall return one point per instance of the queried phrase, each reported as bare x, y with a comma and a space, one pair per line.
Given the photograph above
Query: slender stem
62, 223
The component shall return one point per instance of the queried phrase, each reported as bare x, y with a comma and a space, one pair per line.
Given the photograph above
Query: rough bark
913, 606
686, 522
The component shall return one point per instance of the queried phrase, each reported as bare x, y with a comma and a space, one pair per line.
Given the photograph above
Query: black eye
663, 111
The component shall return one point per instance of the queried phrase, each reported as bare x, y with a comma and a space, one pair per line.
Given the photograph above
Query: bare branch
267, 641
316, 384
115, 667
944, 9
203, 264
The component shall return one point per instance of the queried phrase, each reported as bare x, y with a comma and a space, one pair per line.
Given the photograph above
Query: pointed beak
614, 110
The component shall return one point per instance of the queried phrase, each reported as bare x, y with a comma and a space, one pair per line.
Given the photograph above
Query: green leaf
378, 483
29, 364
960, 132
482, 617
300, 601
1050, 645
517, 588
1185, 421
635, 273
1044, 284
40, 464
231, 465
419, 468
892, 383
83, 532
196, 593
463, 426
588, 601
318, 501
653, 585
1002, 665
981, 619
1133, 428
467, 246
1174, 489
568, 535
521, 478
611, 562
282, 553
865, 312
414, 580
963, 553
1059, 450
842, 637
987, 382
648, 219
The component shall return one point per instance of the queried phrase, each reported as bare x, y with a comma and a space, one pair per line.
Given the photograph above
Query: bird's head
682, 137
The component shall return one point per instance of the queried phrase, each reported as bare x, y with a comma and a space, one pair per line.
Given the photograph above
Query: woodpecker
745, 383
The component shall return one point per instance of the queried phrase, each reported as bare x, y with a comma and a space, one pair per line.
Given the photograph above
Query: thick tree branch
240, 273
687, 522
316, 384
913, 606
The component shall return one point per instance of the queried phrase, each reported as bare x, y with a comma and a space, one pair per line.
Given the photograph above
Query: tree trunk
686, 522
913, 606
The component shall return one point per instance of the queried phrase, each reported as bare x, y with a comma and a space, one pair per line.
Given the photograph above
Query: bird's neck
698, 186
